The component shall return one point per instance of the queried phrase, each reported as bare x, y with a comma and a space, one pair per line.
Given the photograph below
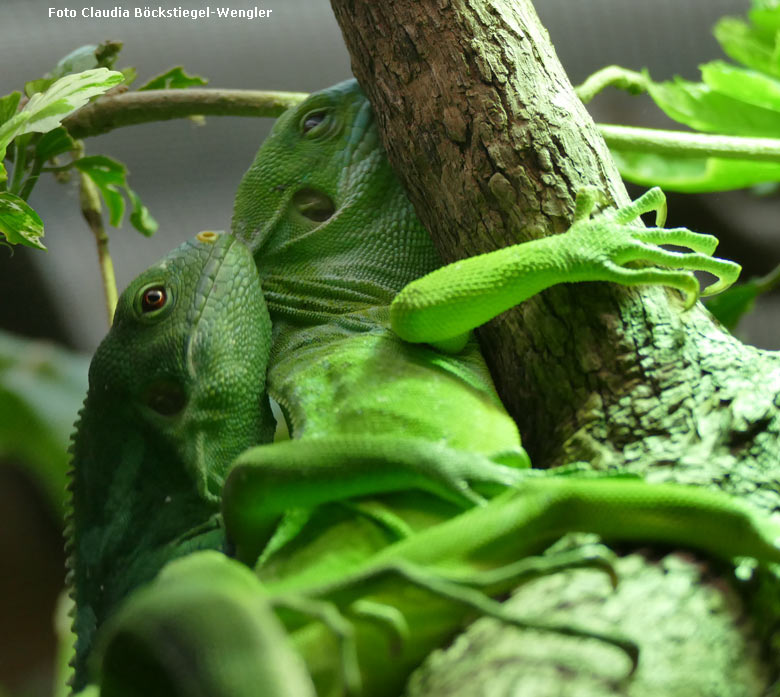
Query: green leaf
765, 17
8, 105
41, 390
732, 304
749, 86
45, 111
175, 78
702, 108
78, 60
140, 217
107, 52
19, 223
746, 45
692, 174
39, 85
130, 75
109, 177
54, 143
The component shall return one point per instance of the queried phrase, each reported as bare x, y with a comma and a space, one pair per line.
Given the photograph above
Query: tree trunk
483, 128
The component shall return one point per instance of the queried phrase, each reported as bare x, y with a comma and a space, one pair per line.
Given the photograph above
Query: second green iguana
339, 250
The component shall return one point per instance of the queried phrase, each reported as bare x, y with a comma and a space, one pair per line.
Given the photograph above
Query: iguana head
176, 391
321, 201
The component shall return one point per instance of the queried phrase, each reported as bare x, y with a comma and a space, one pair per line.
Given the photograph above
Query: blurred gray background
187, 176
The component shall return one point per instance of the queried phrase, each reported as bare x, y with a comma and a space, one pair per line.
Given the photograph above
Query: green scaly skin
335, 240
170, 404
341, 254
206, 627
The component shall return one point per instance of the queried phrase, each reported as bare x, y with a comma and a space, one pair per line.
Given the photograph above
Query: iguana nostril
207, 236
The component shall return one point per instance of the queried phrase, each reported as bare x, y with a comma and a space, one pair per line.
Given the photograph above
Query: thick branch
482, 126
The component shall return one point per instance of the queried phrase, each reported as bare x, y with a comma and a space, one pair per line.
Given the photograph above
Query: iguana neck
121, 538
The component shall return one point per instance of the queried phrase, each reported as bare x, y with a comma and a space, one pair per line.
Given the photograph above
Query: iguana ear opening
313, 204
165, 397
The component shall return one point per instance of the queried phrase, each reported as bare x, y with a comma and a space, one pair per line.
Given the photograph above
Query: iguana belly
335, 383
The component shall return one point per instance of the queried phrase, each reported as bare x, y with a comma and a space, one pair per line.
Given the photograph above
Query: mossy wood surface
482, 125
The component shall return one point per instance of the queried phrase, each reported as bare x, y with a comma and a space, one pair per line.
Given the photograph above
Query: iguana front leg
269, 480
442, 307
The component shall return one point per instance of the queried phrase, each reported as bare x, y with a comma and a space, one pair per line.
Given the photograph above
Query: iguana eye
153, 299
312, 120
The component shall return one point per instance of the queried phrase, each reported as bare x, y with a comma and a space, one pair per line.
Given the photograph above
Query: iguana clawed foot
442, 307
608, 240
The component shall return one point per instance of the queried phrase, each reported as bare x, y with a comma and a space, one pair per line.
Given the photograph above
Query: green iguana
410, 435
170, 404
336, 240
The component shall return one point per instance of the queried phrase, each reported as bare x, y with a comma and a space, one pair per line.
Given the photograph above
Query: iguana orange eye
153, 299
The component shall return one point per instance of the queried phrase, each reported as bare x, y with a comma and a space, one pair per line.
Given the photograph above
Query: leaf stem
615, 76
20, 160
29, 183
91, 210
685, 144
129, 108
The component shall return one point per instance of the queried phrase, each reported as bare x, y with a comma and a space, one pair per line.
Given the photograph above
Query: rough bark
482, 126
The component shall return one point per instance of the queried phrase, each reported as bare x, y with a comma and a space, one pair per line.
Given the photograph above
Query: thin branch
130, 108
685, 144
91, 210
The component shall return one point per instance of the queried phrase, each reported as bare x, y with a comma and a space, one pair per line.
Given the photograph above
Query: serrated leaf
749, 86
175, 78
8, 105
692, 174
702, 108
46, 110
19, 223
140, 217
